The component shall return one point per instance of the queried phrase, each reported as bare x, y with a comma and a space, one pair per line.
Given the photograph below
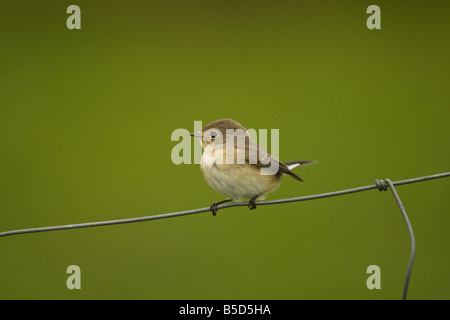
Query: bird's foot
252, 202
213, 207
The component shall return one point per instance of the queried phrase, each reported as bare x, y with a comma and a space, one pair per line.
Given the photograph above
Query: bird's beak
196, 134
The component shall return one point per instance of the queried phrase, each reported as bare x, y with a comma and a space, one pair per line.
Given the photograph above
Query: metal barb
381, 185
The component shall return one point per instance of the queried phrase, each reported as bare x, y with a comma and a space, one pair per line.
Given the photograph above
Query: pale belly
238, 182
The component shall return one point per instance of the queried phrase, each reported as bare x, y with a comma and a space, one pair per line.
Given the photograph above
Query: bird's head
216, 131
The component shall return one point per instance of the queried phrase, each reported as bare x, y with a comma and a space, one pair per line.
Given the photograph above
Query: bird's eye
213, 134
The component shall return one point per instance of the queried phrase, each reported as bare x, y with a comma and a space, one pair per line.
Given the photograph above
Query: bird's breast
237, 181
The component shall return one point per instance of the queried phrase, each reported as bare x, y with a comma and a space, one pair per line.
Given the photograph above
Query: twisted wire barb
222, 206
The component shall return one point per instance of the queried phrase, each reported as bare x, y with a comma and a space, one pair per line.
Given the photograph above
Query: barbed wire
379, 184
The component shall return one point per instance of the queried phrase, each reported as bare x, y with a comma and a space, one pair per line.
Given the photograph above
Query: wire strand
207, 209
379, 184
411, 237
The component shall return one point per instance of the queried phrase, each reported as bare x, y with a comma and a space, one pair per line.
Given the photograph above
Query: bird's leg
251, 203
213, 207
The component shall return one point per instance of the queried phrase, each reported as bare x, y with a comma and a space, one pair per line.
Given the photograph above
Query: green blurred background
86, 118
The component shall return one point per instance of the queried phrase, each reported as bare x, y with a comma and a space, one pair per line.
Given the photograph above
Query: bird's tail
294, 164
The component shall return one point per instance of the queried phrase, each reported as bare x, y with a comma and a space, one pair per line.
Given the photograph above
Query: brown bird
234, 165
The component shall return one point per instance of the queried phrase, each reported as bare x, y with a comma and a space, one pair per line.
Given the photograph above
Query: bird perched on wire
234, 165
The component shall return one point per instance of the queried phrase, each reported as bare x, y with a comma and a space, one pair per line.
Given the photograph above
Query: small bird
233, 164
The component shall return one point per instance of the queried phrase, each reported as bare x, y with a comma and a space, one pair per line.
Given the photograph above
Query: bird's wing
251, 153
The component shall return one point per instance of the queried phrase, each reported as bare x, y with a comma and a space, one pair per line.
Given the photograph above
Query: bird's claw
213, 209
252, 204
